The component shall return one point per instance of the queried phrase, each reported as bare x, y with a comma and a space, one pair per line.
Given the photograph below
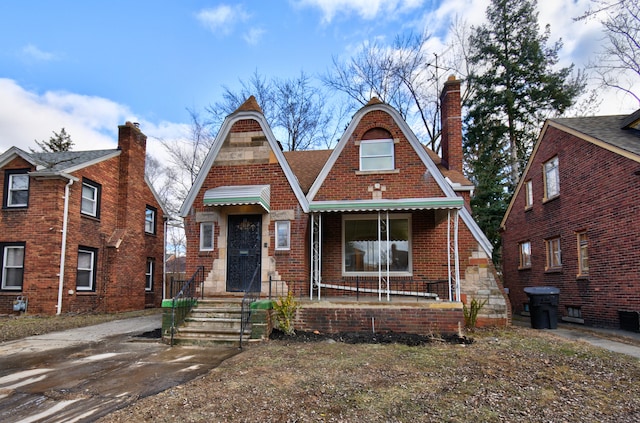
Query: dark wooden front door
244, 253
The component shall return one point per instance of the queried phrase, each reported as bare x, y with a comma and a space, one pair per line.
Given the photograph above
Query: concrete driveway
81, 374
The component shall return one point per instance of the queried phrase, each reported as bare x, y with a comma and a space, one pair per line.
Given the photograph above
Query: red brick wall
120, 273
451, 118
344, 318
599, 193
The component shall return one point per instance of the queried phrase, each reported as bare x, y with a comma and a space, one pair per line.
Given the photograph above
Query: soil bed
409, 339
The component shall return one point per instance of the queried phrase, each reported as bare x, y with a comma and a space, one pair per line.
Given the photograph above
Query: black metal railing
367, 287
186, 297
251, 294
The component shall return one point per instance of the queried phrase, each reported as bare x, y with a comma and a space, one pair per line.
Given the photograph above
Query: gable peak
374, 100
250, 105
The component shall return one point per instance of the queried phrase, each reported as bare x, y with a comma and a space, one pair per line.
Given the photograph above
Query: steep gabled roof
617, 134
248, 112
306, 165
58, 163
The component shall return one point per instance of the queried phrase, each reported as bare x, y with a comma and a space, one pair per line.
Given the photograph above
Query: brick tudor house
81, 231
574, 220
380, 219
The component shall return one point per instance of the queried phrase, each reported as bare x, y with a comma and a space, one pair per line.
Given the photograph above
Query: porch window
551, 179
366, 249
525, 255
283, 235
206, 236
12, 266
86, 275
583, 254
554, 255
376, 155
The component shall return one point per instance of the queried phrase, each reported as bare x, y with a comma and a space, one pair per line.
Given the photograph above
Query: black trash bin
543, 306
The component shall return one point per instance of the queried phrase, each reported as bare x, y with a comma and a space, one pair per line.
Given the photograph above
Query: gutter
63, 248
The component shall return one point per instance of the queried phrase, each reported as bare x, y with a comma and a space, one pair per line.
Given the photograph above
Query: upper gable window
90, 198
551, 179
376, 155
16, 188
528, 188
150, 220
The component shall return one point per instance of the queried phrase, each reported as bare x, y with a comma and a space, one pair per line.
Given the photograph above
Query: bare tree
618, 63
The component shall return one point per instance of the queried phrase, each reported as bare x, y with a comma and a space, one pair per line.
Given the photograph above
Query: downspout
164, 260
63, 248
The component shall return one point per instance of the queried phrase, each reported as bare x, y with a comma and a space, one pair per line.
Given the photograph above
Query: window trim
98, 192
3, 258
8, 177
524, 264
148, 287
528, 195
287, 235
374, 217
204, 247
583, 270
553, 256
153, 221
391, 156
551, 166
92, 271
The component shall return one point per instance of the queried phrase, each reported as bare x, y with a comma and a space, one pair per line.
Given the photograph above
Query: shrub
471, 313
285, 308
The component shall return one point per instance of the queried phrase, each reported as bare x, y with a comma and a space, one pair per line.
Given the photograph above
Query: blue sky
89, 66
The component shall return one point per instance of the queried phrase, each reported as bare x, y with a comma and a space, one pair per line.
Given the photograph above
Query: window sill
582, 278
88, 216
10, 292
547, 200
377, 172
85, 293
524, 268
528, 208
553, 270
15, 208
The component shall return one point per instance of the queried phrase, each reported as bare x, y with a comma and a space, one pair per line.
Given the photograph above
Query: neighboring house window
525, 255
583, 254
86, 276
12, 266
283, 235
90, 198
528, 187
366, 249
150, 220
149, 275
16, 188
206, 236
551, 179
575, 312
554, 256
377, 155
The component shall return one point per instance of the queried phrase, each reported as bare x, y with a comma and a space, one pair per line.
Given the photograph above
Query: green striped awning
234, 195
382, 205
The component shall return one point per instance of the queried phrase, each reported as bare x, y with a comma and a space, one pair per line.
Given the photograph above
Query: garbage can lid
541, 290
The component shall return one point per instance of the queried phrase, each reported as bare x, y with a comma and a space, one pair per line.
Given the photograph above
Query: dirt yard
512, 375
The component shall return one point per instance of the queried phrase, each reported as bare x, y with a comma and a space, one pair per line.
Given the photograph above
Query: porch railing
368, 287
251, 294
185, 298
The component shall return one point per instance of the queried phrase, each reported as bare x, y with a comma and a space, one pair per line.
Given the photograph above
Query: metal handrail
400, 287
250, 296
183, 302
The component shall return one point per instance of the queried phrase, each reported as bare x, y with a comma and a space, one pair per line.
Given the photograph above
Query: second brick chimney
451, 122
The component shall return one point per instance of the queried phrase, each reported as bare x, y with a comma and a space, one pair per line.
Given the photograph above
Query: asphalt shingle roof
61, 161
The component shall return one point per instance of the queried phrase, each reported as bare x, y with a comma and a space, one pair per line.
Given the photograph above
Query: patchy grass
16, 327
517, 374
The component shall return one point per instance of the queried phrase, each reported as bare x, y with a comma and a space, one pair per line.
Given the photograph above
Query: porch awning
387, 205
234, 195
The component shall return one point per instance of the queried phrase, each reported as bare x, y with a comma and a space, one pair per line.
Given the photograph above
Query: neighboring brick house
574, 220
81, 231
379, 216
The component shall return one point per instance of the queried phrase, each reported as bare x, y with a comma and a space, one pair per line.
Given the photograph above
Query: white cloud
32, 52
253, 36
222, 19
366, 9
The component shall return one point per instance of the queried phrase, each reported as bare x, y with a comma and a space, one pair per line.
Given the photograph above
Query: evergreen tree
60, 141
514, 88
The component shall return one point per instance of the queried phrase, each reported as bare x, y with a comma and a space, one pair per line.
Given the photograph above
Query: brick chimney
451, 122
133, 144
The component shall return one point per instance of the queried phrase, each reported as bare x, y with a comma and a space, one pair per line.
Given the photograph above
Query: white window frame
92, 269
283, 235
150, 220
149, 276
6, 267
525, 255
583, 253
551, 178
374, 217
207, 246
11, 190
553, 253
365, 156
93, 202
528, 194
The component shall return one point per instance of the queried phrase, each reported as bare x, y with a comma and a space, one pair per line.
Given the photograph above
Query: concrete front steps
214, 322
